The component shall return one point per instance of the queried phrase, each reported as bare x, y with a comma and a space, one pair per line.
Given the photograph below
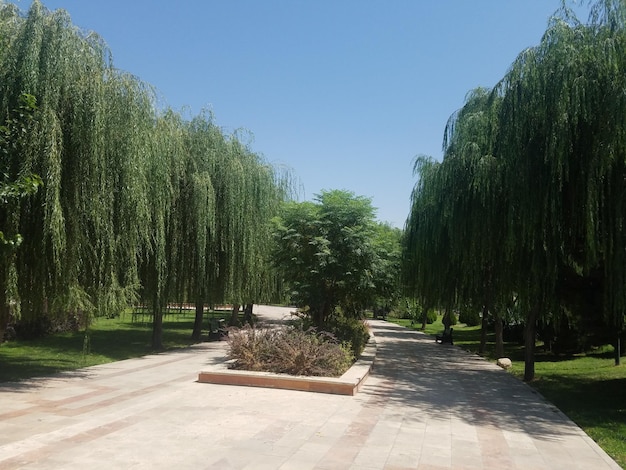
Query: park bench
445, 337
217, 329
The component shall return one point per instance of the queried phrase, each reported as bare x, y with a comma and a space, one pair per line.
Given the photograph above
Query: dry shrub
288, 350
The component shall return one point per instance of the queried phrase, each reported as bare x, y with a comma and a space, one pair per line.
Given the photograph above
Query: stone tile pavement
425, 406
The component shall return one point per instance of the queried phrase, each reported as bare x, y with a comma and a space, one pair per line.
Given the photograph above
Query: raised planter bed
348, 384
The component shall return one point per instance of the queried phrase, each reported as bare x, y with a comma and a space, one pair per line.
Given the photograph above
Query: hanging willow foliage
530, 196
68, 262
563, 127
136, 202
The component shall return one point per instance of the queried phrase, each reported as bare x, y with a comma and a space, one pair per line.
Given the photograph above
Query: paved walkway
425, 406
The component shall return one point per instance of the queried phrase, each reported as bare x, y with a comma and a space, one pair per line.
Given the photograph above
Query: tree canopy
332, 253
138, 204
528, 202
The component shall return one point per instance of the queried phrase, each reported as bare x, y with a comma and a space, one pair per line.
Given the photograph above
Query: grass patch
588, 388
109, 340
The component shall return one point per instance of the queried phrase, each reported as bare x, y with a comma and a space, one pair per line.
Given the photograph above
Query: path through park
425, 406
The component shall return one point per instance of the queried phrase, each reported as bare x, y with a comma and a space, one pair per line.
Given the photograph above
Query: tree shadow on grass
22, 369
44, 357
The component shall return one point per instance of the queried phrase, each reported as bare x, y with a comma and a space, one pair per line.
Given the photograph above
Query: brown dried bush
288, 350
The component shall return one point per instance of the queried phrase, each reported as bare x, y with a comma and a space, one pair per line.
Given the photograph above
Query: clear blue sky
345, 93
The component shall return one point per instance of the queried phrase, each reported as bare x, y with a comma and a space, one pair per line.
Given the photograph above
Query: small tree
328, 252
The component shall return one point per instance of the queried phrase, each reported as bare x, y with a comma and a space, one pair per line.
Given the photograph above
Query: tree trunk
234, 316
499, 327
5, 308
4, 316
6, 267
529, 343
196, 335
317, 317
157, 325
247, 314
446, 320
424, 318
487, 307
483, 330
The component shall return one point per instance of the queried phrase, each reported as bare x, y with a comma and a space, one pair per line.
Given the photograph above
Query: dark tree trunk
157, 324
487, 307
317, 316
5, 309
247, 314
529, 343
9, 224
4, 316
197, 323
447, 320
234, 315
424, 318
320, 315
499, 327
483, 330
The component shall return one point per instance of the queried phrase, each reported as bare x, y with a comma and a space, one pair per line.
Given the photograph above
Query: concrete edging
348, 384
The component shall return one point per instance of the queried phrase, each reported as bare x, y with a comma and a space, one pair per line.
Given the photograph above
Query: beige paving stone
425, 406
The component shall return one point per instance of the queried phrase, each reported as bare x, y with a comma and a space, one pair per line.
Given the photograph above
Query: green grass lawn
108, 340
588, 388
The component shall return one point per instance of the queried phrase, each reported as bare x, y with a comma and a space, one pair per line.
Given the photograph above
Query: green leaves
15, 183
133, 200
333, 254
530, 198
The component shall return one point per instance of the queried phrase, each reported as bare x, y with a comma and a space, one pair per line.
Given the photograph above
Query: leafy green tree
426, 273
81, 229
137, 204
528, 203
327, 252
386, 270
561, 136
15, 184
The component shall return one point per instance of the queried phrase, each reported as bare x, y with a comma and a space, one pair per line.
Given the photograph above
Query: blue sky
345, 93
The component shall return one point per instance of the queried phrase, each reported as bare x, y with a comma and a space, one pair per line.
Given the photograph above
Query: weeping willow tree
225, 199
211, 201
164, 168
453, 233
427, 271
137, 203
197, 261
78, 256
473, 199
540, 183
248, 194
562, 131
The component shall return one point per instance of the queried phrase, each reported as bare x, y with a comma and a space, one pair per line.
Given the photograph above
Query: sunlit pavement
425, 406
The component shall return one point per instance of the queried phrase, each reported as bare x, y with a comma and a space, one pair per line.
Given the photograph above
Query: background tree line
136, 205
526, 211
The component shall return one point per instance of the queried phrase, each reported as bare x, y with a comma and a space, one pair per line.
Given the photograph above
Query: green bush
431, 317
453, 318
288, 350
469, 317
350, 331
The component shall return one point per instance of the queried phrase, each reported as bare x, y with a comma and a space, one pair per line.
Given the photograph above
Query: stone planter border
348, 384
